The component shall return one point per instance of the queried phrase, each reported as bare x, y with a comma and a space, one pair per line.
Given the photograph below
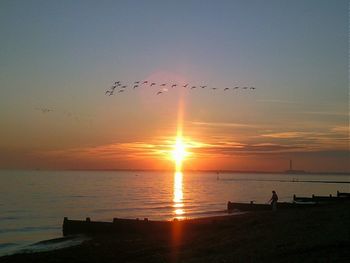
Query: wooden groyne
340, 197
340, 194
118, 225
231, 206
134, 226
298, 202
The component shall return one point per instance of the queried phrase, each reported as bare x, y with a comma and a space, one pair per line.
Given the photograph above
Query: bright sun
179, 152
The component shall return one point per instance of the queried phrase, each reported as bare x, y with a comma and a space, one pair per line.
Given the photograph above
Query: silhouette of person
274, 200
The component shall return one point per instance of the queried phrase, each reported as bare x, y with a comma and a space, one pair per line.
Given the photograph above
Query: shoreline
317, 234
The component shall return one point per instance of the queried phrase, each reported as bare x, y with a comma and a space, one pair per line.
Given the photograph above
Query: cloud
231, 149
223, 124
341, 129
279, 101
327, 113
126, 150
287, 135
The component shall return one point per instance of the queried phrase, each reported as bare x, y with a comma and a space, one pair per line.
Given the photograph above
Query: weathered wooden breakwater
118, 225
340, 197
133, 226
298, 202
231, 206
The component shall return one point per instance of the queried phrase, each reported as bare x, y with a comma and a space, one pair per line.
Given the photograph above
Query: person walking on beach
274, 200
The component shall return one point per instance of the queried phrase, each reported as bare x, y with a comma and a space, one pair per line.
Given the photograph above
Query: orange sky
294, 54
211, 145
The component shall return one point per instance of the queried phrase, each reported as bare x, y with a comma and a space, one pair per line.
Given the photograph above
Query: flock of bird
44, 110
118, 87
67, 114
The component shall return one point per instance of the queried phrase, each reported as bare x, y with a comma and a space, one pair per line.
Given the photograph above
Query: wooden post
88, 219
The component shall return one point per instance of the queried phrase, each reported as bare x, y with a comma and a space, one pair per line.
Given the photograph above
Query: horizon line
217, 171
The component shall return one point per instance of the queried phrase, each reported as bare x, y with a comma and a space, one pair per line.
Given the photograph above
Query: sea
34, 203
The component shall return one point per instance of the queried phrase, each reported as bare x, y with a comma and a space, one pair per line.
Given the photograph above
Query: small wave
28, 229
114, 210
82, 196
60, 240
9, 217
16, 211
7, 245
54, 244
46, 245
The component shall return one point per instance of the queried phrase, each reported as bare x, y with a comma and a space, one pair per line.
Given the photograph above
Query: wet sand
317, 234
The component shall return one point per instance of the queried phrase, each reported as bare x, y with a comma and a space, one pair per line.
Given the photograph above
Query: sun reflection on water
178, 196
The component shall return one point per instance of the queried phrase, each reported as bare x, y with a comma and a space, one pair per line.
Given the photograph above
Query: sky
58, 58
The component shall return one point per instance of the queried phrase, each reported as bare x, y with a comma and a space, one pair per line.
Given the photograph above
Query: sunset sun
179, 152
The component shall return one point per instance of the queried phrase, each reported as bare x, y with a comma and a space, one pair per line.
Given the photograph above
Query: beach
167, 131
315, 234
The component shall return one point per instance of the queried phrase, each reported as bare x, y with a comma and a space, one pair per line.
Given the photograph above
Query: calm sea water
33, 203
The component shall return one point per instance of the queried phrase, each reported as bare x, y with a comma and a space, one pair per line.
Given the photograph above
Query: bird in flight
137, 82
185, 86
44, 110
193, 87
145, 82
226, 89
159, 92
110, 92
152, 84
135, 86
163, 85
121, 90
236, 88
253, 88
203, 87
174, 85
245, 87
214, 88
123, 87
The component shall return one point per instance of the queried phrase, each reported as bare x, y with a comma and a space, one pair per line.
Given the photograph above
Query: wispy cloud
341, 129
280, 101
287, 135
223, 124
327, 113
335, 138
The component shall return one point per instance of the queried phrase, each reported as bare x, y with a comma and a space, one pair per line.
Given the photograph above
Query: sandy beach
318, 234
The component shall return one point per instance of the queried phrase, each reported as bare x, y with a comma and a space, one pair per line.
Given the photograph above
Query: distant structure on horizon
292, 171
